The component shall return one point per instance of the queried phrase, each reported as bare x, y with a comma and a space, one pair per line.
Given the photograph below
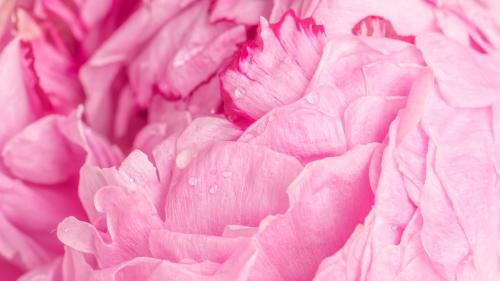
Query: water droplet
213, 188
192, 181
186, 54
238, 93
183, 159
312, 98
227, 174
131, 180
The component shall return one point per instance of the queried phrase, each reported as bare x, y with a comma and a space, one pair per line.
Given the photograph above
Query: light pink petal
174, 114
274, 69
451, 62
367, 119
41, 153
150, 136
200, 134
17, 108
341, 16
82, 237
128, 119
329, 198
57, 75
313, 121
356, 91
74, 266
174, 246
206, 99
241, 11
101, 70
139, 173
173, 64
46, 272
167, 271
479, 19
130, 217
99, 151
441, 228
136, 173
19, 249
349, 262
164, 155
90, 181
368, 66
379, 27
247, 179
29, 240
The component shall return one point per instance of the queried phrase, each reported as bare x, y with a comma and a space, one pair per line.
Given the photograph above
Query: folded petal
273, 70
451, 63
175, 64
175, 246
230, 183
41, 153
329, 198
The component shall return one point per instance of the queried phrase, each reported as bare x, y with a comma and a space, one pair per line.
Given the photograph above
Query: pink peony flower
265, 140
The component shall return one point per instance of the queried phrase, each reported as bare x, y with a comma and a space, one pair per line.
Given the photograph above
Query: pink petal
41, 154
241, 11
200, 134
340, 16
177, 68
450, 62
247, 179
105, 64
273, 70
16, 101
367, 119
313, 121
174, 246
329, 198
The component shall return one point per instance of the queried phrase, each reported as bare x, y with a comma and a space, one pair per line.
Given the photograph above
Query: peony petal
174, 246
329, 198
341, 16
367, 119
275, 69
249, 180
450, 62
101, 70
128, 227
177, 68
313, 121
200, 134
16, 101
240, 11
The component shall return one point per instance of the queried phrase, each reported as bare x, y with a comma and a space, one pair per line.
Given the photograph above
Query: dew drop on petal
192, 181
213, 188
312, 98
183, 159
238, 93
